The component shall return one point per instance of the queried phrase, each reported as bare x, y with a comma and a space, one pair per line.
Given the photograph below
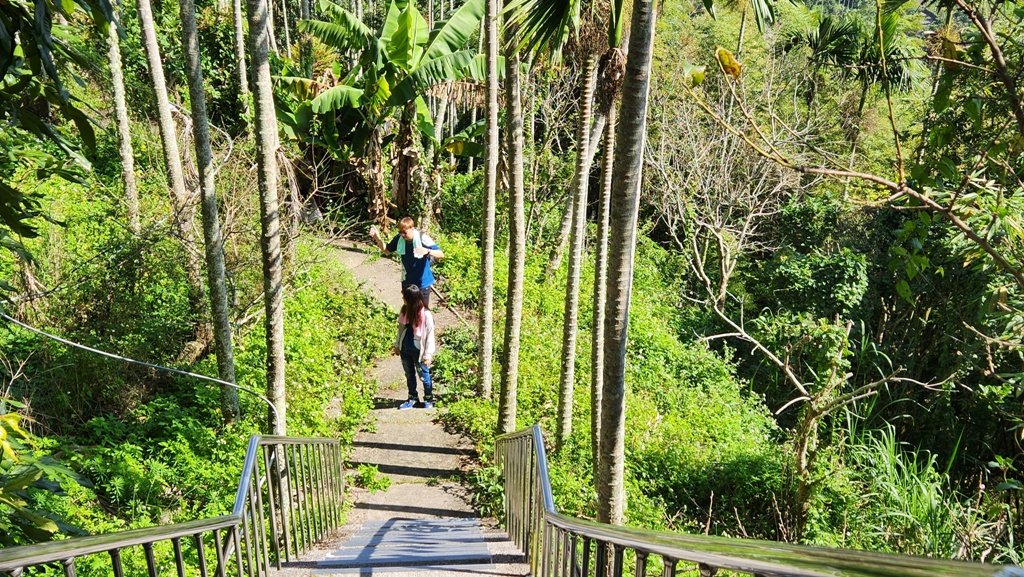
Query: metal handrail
294, 503
558, 545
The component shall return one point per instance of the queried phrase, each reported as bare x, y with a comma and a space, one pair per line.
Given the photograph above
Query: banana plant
397, 65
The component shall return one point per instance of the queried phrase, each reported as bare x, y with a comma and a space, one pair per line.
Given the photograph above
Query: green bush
696, 430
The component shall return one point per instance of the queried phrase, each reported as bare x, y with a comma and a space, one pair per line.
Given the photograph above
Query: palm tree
270, 240
211, 222
243, 75
486, 328
854, 51
625, 199
179, 196
600, 290
580, 183
613, 63
517, 237
124, 135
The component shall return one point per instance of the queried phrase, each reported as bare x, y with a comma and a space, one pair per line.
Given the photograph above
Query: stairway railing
263, 529
561, 546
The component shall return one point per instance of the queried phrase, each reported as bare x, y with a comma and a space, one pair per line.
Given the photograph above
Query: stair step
412, 544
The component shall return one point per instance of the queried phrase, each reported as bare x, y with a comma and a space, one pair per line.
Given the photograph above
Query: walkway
423, 521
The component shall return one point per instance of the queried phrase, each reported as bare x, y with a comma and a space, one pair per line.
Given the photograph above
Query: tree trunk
270, 240
124, 135
179, 196
612, 68
565, 228
517, 238
271, 31
562, 240
600, 293
287, 32
305, 45
624, 206
581, 182
486, 326
211, 224
243, 75
373, 176
406, 161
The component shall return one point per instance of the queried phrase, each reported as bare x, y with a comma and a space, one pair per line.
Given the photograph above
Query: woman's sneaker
407, 405
428, 404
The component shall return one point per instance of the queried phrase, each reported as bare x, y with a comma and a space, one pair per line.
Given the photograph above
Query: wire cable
43, 333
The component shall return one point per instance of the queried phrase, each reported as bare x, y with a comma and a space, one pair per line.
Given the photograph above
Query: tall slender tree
612, 67
182, 218
215, 274
124, 134
287, 30
600, 293
570, 317
243, 75
270, 224
625, 201
516, 236
486, 326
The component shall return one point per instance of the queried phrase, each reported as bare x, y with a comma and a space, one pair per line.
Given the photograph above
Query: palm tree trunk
624, 206
305, 46
600, 293
570, 318
243, 75
124, 135
172, 157
612, 69
211, 224
272, 33
287, 32
486, 327
562, 239
270, 240
517, 238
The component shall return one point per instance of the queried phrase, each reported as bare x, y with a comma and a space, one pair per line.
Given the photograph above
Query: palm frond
764, 13
405, 44
447, 68
453, 34
543, 24
336, 98
298, 86
340, 36
835, 42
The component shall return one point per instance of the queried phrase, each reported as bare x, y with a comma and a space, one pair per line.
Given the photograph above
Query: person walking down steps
415, 345
417, 250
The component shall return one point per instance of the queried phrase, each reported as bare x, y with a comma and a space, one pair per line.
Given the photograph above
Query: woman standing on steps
415, 345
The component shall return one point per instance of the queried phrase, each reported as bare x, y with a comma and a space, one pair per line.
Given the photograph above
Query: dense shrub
703, 433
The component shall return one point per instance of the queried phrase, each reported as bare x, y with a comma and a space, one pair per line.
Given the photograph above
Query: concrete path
423, 521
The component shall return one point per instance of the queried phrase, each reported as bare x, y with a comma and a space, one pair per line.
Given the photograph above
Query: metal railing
560, 546
289, 497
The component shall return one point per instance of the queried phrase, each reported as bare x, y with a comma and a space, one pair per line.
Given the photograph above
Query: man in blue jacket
417, 250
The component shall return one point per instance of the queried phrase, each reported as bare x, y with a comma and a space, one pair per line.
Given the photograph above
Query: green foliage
24, 469
35, 57
701, 430
368, 477
488, 496
398, 63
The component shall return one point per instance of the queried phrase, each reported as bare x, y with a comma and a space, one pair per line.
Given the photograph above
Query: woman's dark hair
413, 307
